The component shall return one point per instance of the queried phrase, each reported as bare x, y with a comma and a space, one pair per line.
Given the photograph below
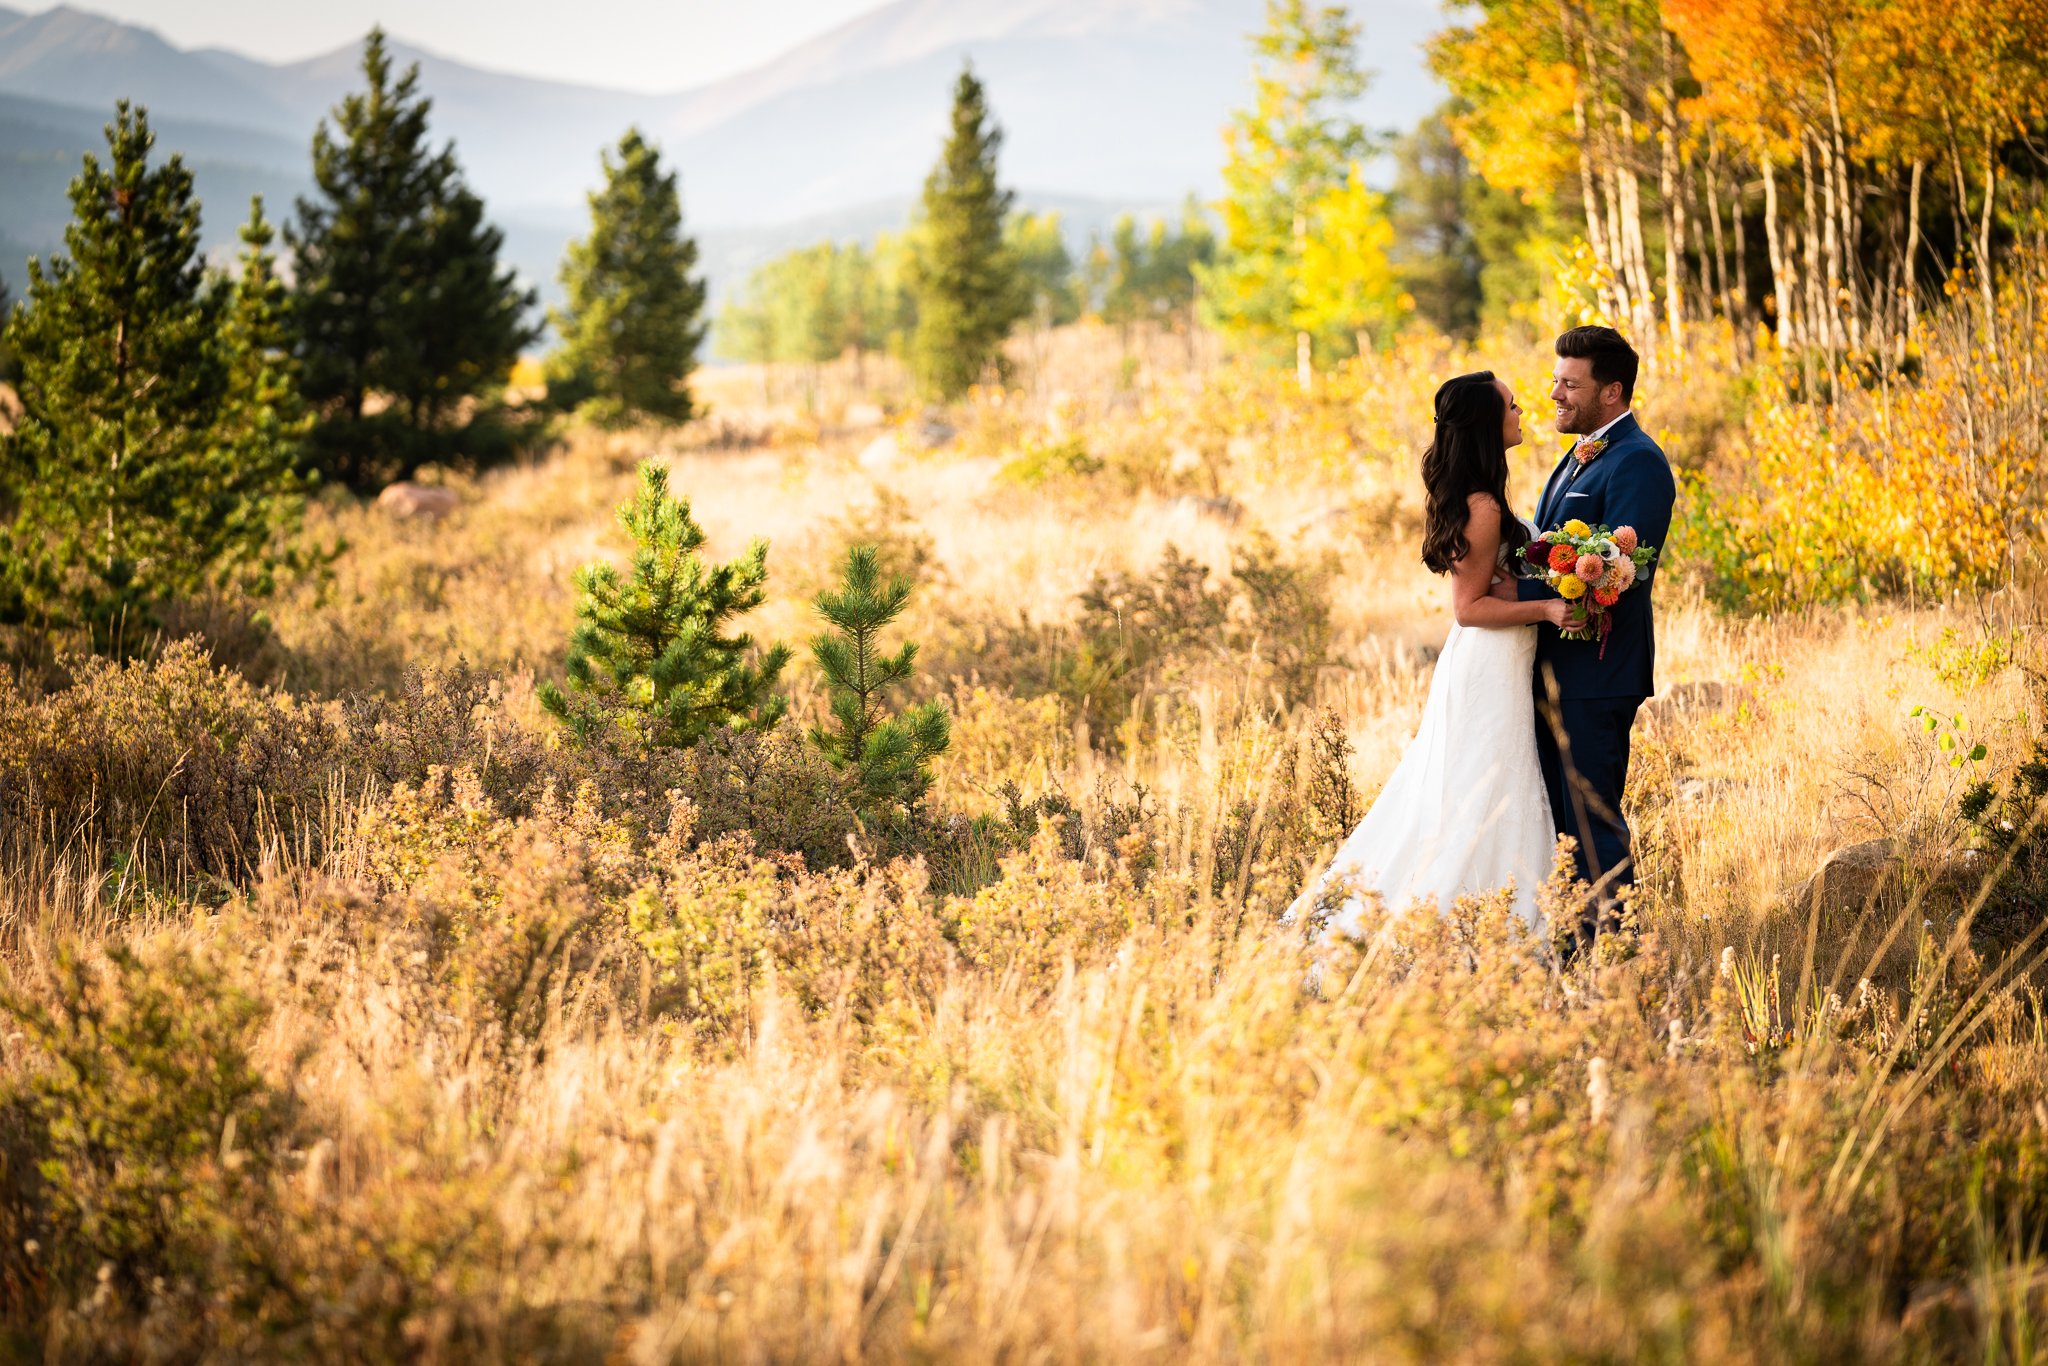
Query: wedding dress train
1466, 809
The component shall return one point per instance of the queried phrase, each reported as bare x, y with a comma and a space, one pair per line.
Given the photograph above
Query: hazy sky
674, 43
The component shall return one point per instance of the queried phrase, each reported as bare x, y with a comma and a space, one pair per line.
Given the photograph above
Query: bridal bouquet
1590, 567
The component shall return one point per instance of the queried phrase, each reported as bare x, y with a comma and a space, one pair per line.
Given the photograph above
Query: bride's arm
1472, 601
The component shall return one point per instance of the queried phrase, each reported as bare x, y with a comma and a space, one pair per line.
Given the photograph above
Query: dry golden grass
1091, 1110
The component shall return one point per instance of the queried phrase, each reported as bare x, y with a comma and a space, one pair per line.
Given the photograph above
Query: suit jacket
1628, 484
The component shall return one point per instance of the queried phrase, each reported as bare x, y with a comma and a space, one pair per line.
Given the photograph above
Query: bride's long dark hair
1468, 455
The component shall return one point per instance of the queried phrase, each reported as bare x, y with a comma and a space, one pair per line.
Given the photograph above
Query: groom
1614, 475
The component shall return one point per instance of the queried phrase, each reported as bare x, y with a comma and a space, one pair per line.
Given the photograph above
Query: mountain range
1107, 106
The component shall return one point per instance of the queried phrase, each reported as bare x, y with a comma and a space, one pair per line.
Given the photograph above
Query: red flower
1537, 551
1607, 597
1562, 558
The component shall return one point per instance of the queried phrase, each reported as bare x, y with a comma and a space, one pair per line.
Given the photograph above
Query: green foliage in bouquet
651, 644
885, 758
633, 319
154, 459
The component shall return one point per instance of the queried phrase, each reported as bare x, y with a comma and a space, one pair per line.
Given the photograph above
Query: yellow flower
1575, 527
1571, 586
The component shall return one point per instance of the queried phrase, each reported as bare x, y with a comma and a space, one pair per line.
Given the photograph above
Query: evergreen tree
964, 277
1045, 267
648, 647
1290, 159
632, 322
1150, 276
397, 292
885, 758
262, 425
145, 467
6, 352
1437, 260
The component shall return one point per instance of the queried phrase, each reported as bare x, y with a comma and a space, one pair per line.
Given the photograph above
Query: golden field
355, 1014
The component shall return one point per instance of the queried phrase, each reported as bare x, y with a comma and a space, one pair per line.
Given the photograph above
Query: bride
1465, 810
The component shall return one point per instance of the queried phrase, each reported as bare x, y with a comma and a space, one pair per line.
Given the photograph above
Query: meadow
355, 1012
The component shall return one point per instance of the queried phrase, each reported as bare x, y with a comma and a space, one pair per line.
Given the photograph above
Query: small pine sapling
885, 759
649, 644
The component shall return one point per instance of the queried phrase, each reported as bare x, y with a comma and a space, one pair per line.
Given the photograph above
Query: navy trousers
1583, 746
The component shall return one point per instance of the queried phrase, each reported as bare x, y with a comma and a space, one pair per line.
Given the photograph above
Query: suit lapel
1543, 508
1624, 427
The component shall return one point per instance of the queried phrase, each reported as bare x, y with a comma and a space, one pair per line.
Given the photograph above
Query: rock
883, 453
865, 415
930, 431
1962, 876
322, 1166
1941, 1311
1222, 508
405, 500
1690, 699
1848, 879
1692, 787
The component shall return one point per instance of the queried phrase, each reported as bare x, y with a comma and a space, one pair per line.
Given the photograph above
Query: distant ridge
1103, 102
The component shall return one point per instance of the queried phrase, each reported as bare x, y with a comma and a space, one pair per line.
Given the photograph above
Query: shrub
156, 1134
1909, 486
509, 914
1051, 462
450, 718
716, 917
1270, 618
187, 765
768, 783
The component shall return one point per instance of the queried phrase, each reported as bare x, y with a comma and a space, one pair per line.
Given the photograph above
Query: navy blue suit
1583, 740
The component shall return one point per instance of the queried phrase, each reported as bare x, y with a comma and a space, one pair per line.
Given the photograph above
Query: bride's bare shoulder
1482, 511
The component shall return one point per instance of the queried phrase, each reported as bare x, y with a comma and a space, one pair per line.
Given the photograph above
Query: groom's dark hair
1614, 360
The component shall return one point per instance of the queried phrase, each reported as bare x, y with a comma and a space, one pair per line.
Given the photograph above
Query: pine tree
884, 758
649, 645
1437, 260
397, 291
632, 322
6, 352
262, 424
138, 473
1045, 268
964, 278
1290, 156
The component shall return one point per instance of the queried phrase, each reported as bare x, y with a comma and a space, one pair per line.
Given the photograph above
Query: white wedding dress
1466, 809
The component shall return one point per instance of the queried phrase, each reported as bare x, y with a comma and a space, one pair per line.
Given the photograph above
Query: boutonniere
1588, 450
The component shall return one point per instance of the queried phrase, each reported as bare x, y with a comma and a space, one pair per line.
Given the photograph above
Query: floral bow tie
1588, 449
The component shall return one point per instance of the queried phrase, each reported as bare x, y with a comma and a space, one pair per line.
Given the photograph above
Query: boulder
930, 431
1963, 875
1222, 508
406, 500
883, 453
1848, 879
1690, 699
